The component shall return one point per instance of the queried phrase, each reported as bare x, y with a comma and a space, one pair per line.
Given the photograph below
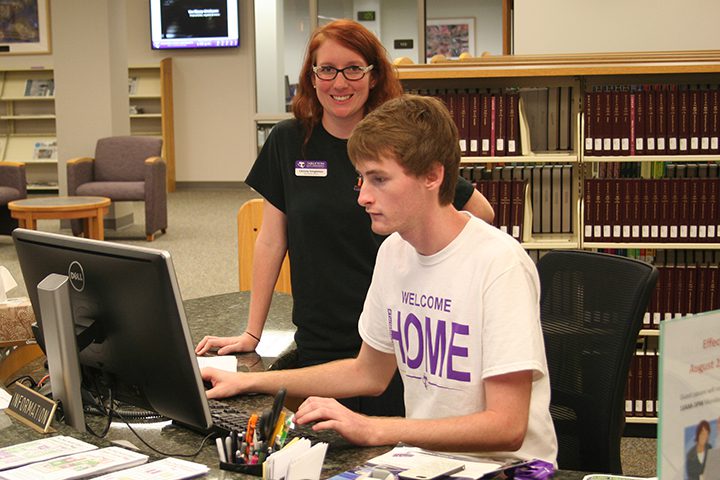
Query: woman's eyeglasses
352, 72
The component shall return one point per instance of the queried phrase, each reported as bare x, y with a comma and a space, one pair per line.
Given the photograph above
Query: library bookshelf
688, 260
27, 119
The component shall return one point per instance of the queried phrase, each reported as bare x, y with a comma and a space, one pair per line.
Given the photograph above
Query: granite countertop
224, 315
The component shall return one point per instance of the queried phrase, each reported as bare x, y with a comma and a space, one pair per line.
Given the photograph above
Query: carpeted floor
202, 240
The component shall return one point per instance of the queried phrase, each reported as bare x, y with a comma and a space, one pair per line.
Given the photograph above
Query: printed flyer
689, 414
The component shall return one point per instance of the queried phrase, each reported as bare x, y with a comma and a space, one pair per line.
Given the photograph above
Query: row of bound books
550, 194
683, 290
510, 122
488, 122
688, 282
674, 210
657, 169
641, 394
652, 119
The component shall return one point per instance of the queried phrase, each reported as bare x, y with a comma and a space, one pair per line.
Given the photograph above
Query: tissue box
16, 316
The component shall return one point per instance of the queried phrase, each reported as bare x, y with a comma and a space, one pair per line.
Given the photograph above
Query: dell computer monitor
128, 298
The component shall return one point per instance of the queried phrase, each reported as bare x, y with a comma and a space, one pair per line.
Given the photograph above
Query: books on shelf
45, 150
664, 210
545, 192
39, 87
507, 122
652, 119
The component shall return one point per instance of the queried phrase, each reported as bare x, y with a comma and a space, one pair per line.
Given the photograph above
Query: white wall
214, 94
572, 26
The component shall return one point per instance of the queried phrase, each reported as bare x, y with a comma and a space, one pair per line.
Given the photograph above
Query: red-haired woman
311, 211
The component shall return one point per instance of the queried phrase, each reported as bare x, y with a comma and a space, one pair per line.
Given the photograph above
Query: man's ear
434, 178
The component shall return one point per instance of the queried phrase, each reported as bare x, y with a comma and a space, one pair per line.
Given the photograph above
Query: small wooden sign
31, 408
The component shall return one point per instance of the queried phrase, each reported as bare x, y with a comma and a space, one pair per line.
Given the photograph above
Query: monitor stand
61, 347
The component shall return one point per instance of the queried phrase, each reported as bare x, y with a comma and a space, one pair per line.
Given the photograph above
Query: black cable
32, 383
109, 419
187, 455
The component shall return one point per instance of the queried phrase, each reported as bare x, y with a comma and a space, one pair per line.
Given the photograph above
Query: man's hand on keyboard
222, 383
329, 414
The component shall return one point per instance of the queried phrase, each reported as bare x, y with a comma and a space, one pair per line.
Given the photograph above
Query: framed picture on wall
449, 37
24, 27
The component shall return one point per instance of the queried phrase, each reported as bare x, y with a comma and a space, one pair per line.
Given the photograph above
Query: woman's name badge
310, 168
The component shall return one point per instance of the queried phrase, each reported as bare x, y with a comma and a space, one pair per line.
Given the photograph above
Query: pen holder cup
255, 470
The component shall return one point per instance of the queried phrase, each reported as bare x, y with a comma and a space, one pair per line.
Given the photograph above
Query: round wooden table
91, 209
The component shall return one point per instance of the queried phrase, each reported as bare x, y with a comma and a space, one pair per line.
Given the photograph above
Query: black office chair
591, 311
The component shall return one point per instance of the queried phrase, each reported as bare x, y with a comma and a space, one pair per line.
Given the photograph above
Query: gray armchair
13, 186
124, 169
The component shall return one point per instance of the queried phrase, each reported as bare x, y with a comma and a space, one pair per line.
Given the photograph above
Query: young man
453, 305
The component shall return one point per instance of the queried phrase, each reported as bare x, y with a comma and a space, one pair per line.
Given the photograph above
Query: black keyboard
227, 418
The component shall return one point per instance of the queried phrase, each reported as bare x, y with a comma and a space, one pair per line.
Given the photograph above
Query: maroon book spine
500, 124
695, 105
714, 120
598, 131
617, 126
650, 122
655, 221
463, 101
513, 124
639, 116
474, 134
683, 120
485, 123
672, 119
705, 120
588, 123
661, 119
607, 120
517, 215
589, 208
625, 122
664, 213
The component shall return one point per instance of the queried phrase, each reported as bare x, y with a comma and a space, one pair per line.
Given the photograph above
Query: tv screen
194, 24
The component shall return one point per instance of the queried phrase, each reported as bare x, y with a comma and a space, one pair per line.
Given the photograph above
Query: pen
278, 428
228, 450
233, 446
251, 427
220, 449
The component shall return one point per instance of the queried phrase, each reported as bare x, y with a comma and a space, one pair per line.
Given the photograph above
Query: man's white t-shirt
452, 319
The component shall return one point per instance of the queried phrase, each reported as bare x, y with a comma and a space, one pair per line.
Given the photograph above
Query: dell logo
76, 276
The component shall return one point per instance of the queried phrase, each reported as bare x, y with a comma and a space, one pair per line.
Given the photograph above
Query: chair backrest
122, 159
591, 310
249, 220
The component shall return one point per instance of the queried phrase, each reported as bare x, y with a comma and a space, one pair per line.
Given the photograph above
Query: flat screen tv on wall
178, 24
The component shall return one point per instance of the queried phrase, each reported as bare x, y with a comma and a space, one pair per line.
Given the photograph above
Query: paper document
274, 342
5, 398
403, 458
40, 450
308, 464
79, 465
221, 362
165, 469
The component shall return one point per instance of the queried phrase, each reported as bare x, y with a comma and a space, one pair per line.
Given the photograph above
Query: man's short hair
418, 132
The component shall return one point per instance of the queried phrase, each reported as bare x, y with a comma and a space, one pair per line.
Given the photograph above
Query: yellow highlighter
278, 428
